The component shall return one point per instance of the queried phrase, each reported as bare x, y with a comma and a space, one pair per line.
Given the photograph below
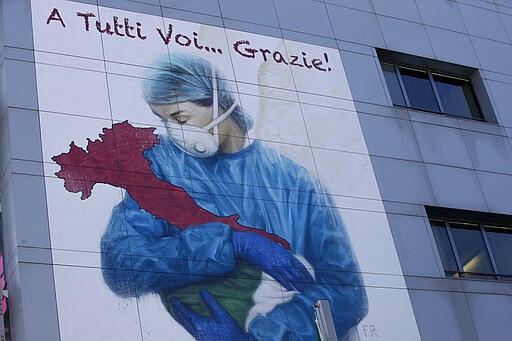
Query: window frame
460, 270
431, 72
480, 219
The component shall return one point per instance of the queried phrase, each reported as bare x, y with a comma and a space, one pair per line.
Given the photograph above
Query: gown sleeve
325, 245
142, 254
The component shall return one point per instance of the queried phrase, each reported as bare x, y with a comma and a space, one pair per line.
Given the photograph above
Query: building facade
362, 156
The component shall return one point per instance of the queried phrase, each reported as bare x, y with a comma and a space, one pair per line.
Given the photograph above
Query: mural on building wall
245, 248
206, 183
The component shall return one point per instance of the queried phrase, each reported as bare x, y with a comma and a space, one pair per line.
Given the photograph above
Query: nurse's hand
271, 258
220, 327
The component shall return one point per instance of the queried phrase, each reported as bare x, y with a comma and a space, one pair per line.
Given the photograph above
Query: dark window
445, 248
425, 90
456, 96
472, 248
418, 88
500, 240
431, 85
393, 82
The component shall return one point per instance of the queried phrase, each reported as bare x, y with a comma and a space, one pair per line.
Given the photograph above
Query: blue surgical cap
179, 77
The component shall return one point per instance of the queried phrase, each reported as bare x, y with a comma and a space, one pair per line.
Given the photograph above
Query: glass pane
500, 240
393, 84
470, 245
457, 97
444, 247
419, 89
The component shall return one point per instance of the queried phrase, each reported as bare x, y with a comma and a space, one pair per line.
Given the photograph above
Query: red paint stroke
117, 159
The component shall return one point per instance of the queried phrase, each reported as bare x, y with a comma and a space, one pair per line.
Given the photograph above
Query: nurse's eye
178, 118
173, 120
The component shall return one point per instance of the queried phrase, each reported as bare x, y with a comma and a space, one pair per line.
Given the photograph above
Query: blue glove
221, 327
271, 258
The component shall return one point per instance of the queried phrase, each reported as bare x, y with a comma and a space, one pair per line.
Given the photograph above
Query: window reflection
500, 240
428, 90
457, 97
445, 248
397, 97
470, 245
474, 250
419, 89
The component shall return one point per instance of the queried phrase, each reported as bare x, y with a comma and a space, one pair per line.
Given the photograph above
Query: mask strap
215, 106
222, 117
216, 118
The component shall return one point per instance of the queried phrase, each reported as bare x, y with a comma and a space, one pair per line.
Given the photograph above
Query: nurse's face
187, 113
231, 137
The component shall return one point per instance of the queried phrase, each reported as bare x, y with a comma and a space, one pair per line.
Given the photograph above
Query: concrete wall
426, 159
418, 158
26, 236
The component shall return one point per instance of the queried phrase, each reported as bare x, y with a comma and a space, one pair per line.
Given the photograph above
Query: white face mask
197, 141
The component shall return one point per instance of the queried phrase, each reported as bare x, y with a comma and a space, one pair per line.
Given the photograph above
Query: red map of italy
117, 159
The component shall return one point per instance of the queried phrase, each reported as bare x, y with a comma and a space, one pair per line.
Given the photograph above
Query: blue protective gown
142, 254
